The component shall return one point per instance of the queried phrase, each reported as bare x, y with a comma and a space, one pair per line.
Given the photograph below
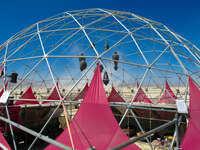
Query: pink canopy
54, 94
81, 95
191, 139
27, 95
4, 142
1, 93
166, 98
114, 96
142, 97
94, 123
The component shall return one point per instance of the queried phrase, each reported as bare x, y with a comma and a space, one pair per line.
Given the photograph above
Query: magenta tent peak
191, 139
27, 95
81, 95
94, 124
114, 96
142, 97
166, 98
54, 94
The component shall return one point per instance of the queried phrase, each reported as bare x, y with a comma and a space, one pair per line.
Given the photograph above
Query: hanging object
14, 77
106, 47
82, 61
81, 58
115, 58
83, 65
101, 67
105, 78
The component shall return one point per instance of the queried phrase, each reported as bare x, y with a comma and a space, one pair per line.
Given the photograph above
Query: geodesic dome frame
149, 52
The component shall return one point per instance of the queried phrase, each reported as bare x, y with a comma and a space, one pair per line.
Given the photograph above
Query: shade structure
1, 93
192, 138
142, 97
3, 142
28, 94
94, 123
114, 96
81, 95
166, 98
54, 94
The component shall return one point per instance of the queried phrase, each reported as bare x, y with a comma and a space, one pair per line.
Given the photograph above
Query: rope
67, 122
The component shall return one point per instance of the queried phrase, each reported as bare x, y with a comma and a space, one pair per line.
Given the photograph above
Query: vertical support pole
178, 119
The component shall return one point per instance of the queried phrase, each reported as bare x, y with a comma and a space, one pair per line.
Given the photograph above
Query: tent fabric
114, 96
4, 142
81, 95
1, 93
94, 124
192, 138
142, 97
54, 94
28, 94
166, 98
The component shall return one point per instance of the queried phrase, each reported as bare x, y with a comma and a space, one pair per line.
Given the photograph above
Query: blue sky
182, 16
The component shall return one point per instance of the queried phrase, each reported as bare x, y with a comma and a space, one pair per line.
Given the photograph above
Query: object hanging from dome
106, 47
101, 67
82, 61
115, 58
14, 77
105, 78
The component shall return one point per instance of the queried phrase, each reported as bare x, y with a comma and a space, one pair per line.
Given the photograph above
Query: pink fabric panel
191, 139
54, 94
94, 123
166, 98
27, 95
81, 95
4, 142
142, 97
114, 96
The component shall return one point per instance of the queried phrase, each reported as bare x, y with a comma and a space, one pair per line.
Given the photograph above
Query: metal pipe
42, 137
178, 121
139, 125
144, 135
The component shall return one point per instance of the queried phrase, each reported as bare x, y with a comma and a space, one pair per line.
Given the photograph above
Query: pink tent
114, 96
1, 93
27, 95
191, 139
54, 94
81, 95
94, 123
3, 142
142, 97
166, 98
